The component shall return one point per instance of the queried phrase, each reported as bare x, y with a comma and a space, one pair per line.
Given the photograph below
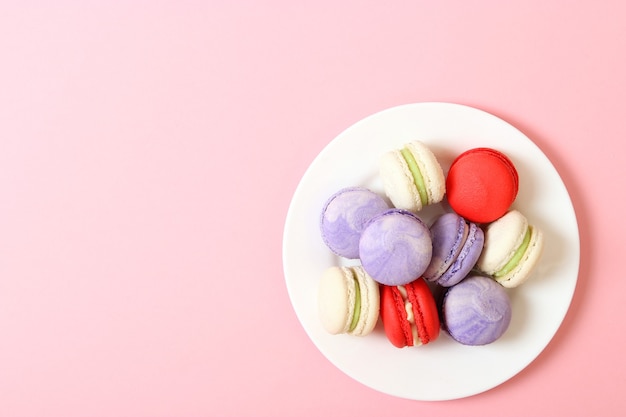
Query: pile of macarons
417, 278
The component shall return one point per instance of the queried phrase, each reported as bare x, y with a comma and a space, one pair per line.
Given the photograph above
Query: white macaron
512, 249
348, 301
412, 177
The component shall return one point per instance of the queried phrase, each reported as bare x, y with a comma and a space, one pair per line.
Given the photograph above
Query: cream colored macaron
412, 177
512, 249
348, 301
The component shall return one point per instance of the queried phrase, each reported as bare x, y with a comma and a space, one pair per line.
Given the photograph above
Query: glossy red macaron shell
395, 319
481, 184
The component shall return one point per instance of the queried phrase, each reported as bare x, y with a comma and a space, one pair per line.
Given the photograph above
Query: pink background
149, 152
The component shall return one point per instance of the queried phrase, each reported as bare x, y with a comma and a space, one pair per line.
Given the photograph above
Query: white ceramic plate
443, 369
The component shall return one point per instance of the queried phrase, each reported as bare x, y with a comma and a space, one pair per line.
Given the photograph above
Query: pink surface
149, 152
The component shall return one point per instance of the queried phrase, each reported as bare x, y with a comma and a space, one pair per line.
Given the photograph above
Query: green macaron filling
357, 304
417, 175
514, 261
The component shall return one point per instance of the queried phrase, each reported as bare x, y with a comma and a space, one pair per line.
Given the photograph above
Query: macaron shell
481, 184
424, 310
477, 311
370, 303
394, 317
344, 216
467, 258
336, 299
398, 182
448, 233
502, 238
431, 171
527, 264
395, 247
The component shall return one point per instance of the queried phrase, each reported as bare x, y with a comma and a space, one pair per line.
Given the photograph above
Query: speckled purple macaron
344, 216
395, 247
457, 245
476, 311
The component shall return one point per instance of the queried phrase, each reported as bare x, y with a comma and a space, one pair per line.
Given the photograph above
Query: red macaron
409, 314
481, 184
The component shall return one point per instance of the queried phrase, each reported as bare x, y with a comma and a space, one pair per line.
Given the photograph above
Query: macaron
344, 216
457, 244
409, 314
395, 247
512, 249
348, 301
412, 177
481, 184
476, 311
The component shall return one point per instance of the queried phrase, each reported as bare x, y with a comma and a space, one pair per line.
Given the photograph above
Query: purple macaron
344, 216
457, 244
395, 247
476, 311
